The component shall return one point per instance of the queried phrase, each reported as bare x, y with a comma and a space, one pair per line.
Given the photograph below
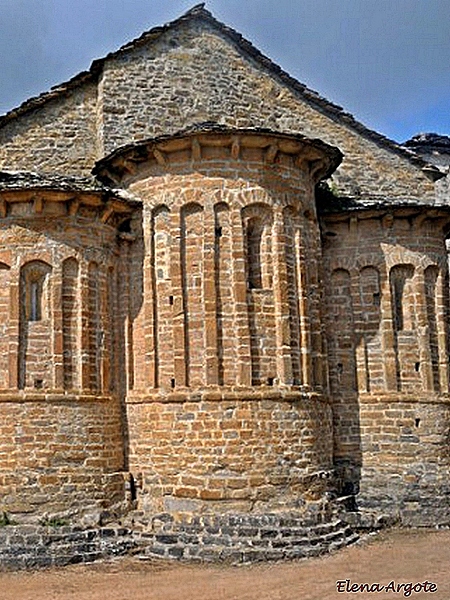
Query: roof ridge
327, 107
197, 8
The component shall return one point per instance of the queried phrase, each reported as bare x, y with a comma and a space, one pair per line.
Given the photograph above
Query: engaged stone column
388, 335
244, 368
423, 331
180, 374
56, 300
442, 296
210, 301
282, 316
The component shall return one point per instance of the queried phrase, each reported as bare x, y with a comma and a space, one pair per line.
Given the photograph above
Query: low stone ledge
230, 538
243, 538
31, 547
181, 396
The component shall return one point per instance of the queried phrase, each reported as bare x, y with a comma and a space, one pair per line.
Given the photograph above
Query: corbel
271, 153
129, 166
107, 212
300, 157
38, 204
196, 149
315, 167
420, 219
3, 208
387, 221
74, 205
160, 157
235, 148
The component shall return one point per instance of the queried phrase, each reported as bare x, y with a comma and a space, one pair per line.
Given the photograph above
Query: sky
385, 61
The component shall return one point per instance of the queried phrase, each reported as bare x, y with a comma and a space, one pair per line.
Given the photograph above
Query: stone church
224, 303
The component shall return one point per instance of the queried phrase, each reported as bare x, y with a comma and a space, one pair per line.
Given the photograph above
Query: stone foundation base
413, 504
34, 546
239, 538
230, 538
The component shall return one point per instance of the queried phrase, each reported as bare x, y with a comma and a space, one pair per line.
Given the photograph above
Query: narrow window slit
133, 491
34, 301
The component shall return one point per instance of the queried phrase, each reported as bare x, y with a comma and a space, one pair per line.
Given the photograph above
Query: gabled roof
199, 12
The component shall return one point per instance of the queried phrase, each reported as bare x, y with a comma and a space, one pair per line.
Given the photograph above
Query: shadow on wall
130, 299
385, 335
93, 288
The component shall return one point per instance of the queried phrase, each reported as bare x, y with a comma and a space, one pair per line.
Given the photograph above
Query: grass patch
53, 522
5, 520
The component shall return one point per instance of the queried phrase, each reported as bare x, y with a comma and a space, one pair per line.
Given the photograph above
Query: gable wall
59, 136
189, 75
192, 75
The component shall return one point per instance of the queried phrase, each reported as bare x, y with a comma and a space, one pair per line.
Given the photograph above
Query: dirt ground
397, 556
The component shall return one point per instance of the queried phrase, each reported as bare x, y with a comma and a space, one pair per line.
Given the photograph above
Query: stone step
243, 544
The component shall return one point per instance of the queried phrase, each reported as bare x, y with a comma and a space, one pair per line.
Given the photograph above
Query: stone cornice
386, 213
56, 196
278, 394
376, 209
194, 145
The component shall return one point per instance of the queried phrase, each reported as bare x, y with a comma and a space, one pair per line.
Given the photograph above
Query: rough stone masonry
224, 312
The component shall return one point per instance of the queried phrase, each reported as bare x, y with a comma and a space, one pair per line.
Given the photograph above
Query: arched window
33, 279
258, 245
402, 297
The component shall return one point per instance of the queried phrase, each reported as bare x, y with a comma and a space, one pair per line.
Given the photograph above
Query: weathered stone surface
387, 285
203, 339
60, 136
188, 72
25, 547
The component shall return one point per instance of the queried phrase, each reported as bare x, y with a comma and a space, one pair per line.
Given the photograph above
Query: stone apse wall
387, 288
61, 429
228, 408
226, 350
220, 348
